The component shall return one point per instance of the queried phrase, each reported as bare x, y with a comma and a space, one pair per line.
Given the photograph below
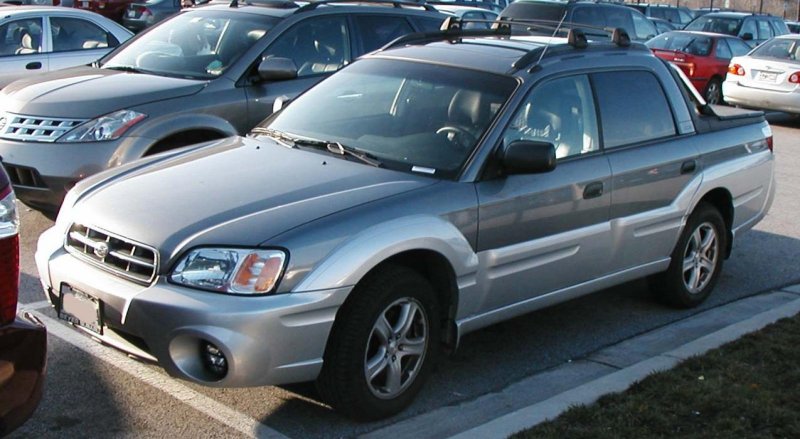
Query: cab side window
749, 27
764, 30
738, 47
627, 121
76, 34
560, 111
318, 45
723, 51
376, 31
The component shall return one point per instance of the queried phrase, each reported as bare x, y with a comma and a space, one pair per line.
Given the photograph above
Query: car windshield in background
681, 42
198, 45
535, 11
720, 25
409, 116
779, 48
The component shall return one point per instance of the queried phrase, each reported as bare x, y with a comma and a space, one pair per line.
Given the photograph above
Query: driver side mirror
276, 69
529, 157
747, 36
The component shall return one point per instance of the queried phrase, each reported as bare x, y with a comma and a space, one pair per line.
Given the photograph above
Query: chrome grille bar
35, 128
118, 255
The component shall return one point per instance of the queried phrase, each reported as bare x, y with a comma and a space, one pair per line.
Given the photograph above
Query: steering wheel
459, 135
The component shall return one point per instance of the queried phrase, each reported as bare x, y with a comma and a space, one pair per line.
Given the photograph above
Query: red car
702, 56
113, 9
23, 339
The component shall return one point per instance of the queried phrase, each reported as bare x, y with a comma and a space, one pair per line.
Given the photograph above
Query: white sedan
768, 77
39, 39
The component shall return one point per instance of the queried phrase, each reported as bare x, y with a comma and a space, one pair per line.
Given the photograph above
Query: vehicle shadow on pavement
495, 357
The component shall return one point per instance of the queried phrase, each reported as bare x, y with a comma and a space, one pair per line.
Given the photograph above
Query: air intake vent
118, 255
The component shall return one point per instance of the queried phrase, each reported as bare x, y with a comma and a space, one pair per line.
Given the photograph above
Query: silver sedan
39, 39
767, 78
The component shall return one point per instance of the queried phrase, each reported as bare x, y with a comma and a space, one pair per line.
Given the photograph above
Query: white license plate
767, 77
80, 309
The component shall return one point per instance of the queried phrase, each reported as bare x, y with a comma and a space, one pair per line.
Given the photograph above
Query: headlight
9, 218
108, 127
230, 270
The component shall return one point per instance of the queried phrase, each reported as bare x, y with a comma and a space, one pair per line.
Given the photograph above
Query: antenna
563, 17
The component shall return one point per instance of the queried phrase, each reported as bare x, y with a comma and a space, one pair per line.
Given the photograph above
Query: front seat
28, 44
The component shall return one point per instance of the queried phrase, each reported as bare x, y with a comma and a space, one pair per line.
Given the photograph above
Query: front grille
118, 255
34, 128
24, 176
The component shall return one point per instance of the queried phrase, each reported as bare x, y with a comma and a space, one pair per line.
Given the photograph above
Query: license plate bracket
80, 309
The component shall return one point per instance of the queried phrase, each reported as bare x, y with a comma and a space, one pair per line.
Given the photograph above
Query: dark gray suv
192, 78
754, 29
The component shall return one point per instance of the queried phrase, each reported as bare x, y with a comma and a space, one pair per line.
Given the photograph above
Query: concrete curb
622, 379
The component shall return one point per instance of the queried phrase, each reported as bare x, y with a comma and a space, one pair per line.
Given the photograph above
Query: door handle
36, 65
688, 167
593, 190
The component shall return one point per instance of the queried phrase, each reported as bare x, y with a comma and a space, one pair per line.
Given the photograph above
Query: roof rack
278, 4
453, 28
396, 3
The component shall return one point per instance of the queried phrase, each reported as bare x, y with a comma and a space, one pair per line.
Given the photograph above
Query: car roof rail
395, 3
279, 4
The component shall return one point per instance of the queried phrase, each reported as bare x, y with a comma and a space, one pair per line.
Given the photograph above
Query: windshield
780, 48
720, 25
410, 116
682, 42
198, 45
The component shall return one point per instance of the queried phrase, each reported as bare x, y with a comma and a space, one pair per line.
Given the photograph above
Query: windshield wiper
130, 69
332, 147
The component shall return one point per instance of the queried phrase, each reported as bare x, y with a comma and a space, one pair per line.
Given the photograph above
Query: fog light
214, 360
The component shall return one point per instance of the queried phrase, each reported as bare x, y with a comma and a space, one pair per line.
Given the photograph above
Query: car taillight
794, 78
736, 69
9, 256
769, 143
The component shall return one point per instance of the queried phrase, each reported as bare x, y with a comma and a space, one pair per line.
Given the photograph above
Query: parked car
425, 191
679, 16
768, 77
491, 5
191, 78
141, 15
40, 39
752, 28
471, 13
662, 25
703, 57
599, 15
111, 9
23, 338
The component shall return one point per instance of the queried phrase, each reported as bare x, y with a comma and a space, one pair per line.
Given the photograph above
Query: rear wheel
382, 346
713, 93
696, 261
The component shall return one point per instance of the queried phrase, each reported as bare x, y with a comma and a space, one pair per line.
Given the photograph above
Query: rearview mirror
529, 157
276, 69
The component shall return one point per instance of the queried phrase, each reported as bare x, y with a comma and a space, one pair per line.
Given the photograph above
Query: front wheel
696, 261
382, 345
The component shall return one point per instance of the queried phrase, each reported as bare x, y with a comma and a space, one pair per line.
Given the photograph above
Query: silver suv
423, 192
192, 78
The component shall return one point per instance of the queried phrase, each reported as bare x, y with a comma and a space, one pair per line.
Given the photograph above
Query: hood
87, 92
237, 192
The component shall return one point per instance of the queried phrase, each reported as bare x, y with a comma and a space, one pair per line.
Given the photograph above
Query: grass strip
749, 388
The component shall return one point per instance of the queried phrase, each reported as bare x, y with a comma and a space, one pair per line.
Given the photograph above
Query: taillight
794, 78
9, 256
769, 143
736, 69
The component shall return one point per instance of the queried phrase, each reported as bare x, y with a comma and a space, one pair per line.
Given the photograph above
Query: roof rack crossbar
445, 34
395, 3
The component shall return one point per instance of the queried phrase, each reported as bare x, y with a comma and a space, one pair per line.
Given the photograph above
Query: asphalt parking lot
93, 390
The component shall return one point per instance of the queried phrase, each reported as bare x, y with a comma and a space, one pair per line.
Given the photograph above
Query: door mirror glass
747, 36
529, 157
277, 69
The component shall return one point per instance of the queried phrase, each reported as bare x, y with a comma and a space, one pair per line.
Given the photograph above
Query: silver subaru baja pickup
445, 183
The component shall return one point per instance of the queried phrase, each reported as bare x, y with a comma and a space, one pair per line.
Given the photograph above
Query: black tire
355, 339
692, 274
713, 92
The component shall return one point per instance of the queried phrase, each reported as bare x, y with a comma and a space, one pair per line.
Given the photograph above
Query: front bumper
759, 98
267, 340
42, 173
23, 361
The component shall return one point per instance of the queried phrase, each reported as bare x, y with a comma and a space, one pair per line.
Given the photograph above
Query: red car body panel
113, 9
23, 338
699, 69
